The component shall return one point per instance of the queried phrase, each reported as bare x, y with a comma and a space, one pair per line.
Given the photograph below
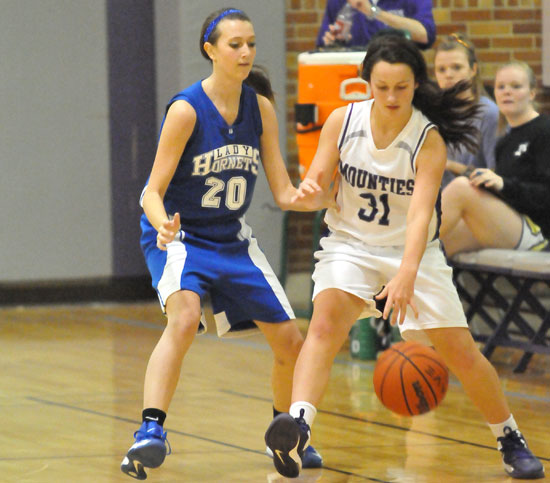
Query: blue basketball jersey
213, 184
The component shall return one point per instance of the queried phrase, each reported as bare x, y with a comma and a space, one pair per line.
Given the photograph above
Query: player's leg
256, 293
481, 383
443, 321
334, 313
346, 279
285, 341
183, 311
163, 370
476, 374
288, 435
490, 220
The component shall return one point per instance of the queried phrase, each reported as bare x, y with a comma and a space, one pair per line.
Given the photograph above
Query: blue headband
216, 21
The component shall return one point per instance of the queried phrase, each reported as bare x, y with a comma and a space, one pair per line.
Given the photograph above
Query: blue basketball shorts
235, 276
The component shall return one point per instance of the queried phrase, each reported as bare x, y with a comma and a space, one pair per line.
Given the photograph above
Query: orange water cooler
326, 80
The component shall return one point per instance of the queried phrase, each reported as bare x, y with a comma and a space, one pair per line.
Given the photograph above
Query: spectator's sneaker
518, 460
287, 437
310, 459
148, 451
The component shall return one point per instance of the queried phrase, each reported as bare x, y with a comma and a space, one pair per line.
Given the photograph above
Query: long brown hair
258, 79
452, 114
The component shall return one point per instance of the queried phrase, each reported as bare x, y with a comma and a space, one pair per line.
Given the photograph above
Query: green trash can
363, 340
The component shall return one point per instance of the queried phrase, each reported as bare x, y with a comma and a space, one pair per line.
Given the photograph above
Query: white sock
498, 429
309, 411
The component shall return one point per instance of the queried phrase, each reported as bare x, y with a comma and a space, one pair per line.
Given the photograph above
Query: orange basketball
410, 378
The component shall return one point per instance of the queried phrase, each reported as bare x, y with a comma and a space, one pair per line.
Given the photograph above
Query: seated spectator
455, 60
507, 207
412, 16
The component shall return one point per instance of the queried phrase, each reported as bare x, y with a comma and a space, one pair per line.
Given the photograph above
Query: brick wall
501, 30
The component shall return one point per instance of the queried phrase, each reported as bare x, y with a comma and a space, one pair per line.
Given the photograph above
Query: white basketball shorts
350, 265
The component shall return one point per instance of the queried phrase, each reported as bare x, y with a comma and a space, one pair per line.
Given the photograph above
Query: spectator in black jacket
507, 207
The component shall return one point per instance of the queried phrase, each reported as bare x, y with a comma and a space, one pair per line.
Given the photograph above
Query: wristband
375, 11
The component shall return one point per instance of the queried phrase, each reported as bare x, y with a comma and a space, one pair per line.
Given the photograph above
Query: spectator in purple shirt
412, 16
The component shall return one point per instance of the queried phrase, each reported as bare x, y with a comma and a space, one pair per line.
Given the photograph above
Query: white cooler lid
331, 58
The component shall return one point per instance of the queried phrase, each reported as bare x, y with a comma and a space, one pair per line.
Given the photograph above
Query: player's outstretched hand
168, 231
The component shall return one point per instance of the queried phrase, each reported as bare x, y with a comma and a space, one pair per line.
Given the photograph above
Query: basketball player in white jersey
390, 155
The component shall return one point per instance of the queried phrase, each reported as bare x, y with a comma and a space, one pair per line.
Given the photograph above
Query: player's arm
272, 159
430, 165
284, 193
326, 157
178, 127
322, 171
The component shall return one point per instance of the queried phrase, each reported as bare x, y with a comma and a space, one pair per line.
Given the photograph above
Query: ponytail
452, 113
258, 79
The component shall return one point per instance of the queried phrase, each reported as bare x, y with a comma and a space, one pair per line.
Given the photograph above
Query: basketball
410, 378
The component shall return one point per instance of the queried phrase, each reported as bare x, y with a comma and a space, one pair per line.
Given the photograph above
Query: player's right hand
168, 231
310, 194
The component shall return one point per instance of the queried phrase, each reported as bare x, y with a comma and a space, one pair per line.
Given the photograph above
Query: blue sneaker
310, 459
519, 461
148, 451
287, 438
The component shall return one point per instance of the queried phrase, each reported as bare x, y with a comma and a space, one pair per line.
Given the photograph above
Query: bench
508, 292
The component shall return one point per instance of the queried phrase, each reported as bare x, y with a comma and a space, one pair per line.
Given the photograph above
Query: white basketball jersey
377, 184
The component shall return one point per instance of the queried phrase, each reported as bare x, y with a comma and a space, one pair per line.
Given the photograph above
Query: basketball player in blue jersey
216, 136
383, 244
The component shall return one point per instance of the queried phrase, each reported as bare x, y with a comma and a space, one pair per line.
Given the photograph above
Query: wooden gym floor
71, 392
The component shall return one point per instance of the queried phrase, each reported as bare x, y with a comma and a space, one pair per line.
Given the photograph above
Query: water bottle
343, 23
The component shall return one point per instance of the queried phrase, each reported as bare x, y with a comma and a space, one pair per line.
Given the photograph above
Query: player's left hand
486, 178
